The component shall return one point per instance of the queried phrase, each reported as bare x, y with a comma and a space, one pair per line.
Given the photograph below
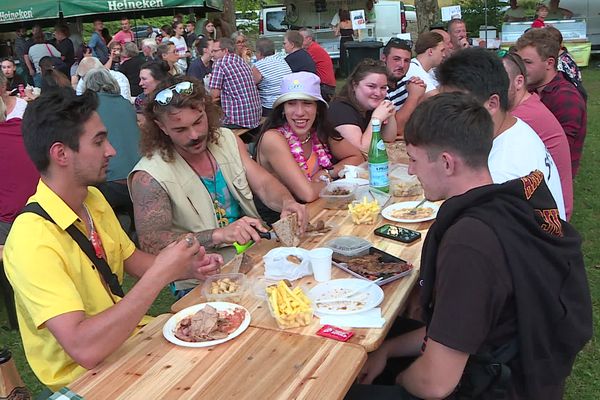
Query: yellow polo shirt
52, 276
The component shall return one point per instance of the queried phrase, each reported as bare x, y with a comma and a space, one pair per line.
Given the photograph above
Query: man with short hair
190, 33
528, 107
9, 69
125, 35
268, 72
447, 41
297, 58
323, 63
64, 45
517, 149
21, 49
457, 29
501, 320
539, 51
431, 52
71, 315
197, 177
97, 42
232, 84
403, 92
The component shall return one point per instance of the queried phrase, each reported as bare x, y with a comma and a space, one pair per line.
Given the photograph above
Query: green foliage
473, 13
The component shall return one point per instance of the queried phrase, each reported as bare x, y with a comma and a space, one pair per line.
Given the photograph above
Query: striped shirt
273, 69
398, 95
240, 100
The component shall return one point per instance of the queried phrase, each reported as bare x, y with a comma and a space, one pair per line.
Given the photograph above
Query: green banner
14, 11
73, 8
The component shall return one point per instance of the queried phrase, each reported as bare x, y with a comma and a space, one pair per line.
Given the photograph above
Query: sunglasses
405, 42
516, 60
165, 96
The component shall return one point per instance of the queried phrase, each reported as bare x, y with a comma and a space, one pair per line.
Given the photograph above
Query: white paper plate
372, 297
169, 327
387, 212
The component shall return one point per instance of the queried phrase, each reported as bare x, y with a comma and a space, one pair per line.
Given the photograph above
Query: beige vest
191, 203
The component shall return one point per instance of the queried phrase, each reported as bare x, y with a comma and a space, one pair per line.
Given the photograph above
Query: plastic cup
320, 260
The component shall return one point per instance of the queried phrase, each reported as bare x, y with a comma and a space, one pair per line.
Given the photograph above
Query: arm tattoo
154, 216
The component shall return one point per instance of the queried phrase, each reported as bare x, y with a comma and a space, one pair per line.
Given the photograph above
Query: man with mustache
71, 308
195, 177
404, 93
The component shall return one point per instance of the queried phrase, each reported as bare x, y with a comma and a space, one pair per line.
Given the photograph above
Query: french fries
364, 212
291, 308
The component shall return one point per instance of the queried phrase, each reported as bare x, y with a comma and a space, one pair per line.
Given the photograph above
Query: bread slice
287, 230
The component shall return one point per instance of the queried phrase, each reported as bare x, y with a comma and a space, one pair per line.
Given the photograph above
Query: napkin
366, 319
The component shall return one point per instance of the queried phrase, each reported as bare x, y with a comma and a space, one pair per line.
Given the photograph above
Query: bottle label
378, 174
380, 145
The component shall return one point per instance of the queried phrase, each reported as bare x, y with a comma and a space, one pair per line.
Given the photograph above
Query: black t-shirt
66, 50
342, 113
198, 70
300, 60
13, 83
475, 309
131, 69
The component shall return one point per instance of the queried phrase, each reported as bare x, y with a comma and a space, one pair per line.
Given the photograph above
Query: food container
292, 320
402, 184
349, 246
364, 212
225, 287
337, 195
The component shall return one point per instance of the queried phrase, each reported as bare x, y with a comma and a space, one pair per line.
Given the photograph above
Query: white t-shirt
181, 48
19, 109
416, 69
517, 152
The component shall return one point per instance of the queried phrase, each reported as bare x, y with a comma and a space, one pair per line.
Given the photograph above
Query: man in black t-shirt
499, 268
297, 58
64, 45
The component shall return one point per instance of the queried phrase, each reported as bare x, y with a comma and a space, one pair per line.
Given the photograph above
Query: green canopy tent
114, 9
46, 12
14, 12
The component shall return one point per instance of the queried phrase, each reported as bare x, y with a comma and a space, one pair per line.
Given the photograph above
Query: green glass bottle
378, 160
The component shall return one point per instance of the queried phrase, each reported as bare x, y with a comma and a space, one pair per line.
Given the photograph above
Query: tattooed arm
153, 215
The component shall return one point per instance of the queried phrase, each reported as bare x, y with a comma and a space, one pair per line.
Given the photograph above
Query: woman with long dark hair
297, 143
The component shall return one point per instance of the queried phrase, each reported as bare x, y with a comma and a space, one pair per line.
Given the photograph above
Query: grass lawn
583, 383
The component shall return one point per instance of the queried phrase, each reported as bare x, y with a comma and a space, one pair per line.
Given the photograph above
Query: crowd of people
150, 134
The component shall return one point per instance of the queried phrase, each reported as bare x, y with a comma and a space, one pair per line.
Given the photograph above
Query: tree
428, 14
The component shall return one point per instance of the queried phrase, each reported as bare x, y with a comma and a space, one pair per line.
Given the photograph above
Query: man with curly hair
197, 177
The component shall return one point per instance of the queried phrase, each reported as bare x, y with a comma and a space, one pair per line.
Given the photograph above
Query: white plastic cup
320, 259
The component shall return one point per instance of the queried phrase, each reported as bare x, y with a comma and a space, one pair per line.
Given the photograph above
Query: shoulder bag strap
51, 54
107, 275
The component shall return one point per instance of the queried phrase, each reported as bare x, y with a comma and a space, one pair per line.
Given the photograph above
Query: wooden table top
258, 364
396, 293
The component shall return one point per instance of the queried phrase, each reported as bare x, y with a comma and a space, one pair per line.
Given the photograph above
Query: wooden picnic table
258, 364
396, 293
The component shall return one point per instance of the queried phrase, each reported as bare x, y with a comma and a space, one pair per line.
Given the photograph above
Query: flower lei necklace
323, 155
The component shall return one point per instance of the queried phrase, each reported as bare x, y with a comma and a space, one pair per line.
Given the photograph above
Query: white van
590, 10
275, 20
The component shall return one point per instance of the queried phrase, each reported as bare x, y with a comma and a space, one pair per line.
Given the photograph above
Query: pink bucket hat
300, 86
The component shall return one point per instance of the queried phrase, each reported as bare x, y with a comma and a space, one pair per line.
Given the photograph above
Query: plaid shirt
568, 106
239, 96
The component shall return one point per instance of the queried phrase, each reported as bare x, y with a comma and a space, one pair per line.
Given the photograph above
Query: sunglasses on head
165, 96
408, 43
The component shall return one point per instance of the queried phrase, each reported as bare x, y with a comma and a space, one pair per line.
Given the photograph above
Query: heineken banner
72, 8
12, 11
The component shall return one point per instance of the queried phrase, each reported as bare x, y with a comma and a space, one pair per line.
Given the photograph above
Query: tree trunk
428, 14
227, 17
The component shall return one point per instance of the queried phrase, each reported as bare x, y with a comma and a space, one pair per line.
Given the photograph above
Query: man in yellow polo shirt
69, 317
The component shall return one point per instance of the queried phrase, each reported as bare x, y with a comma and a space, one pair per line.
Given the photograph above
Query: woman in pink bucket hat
297, 144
